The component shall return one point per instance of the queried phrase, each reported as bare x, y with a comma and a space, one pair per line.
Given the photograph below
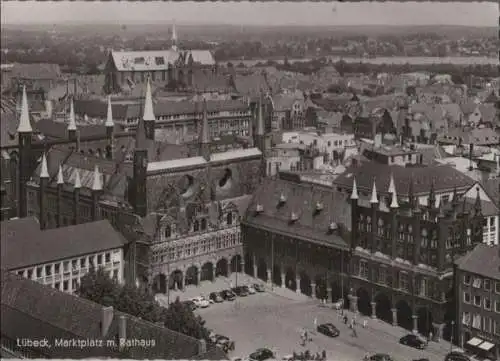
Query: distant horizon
251, 14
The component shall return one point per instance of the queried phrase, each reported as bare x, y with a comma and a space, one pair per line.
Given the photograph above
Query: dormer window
168, 232
294, 217
259, 208
282, 198
332, 227
229, 218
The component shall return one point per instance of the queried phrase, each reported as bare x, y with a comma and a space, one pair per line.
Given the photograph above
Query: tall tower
72, 123
139, 196
149, 114
42, 192
174, 38
25, 132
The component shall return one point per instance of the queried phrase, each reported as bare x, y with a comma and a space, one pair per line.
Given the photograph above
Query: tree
97, 286
179, 317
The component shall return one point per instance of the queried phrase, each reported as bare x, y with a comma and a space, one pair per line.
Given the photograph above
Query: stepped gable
444, 177
303, 200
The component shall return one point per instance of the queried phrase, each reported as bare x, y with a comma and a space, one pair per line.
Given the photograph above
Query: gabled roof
483, 260
157, 60
53, 244
33, 311
444, 177
251, 84
300, 199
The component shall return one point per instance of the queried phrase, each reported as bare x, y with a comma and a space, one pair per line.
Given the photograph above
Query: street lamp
451, 337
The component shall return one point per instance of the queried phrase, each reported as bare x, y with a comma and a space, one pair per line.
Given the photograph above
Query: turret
374, 197
25, 133
139, 196
76, 197
72, 123
374, 224
174, 38
42, 192
354, 213
204, 134
109, 124
149, 115
96, 193
60, 185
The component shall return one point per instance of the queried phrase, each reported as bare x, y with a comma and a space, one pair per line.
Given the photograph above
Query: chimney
106, 319
202, 347
122, 328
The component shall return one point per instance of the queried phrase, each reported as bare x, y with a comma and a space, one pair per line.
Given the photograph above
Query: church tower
25, 132
139, 196
174, 38
149, 115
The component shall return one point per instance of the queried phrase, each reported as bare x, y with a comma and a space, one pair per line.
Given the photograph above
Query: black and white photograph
250, 181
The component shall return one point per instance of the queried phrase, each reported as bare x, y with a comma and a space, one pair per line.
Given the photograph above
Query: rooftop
483, 260
50, 245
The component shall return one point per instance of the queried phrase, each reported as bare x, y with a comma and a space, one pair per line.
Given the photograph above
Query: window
20, 273
168, 231
497, 306
363, 269
203, 224
65, 285
487, 304
48, 270
107, 257
404, 284
487, 324
39, 272
57, 268
424, 287
99, 259
196, 226
66, 266
57, 285
74, 264
496, 331
466, 297
74, 285
115, 274
382, 275
477, 282
30, 273
82, 262
487, 285
497, 287
229, 218
466, 318
477, 300
476, 321
467, 279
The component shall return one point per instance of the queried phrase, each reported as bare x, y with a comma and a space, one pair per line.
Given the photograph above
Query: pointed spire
44, 172
109, 119
260, 118
205, 138
392, 185
374, 198
72, 120
354, 194
394, 202
24, 119
60, 177
78, 182
149, 115
97, 184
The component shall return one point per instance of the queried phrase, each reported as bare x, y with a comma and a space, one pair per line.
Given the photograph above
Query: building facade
477, 297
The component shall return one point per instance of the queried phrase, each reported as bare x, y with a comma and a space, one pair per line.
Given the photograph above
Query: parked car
239, 291
216, 297
228, 295
200, 302
190, 304
328, 329
413, 341
457, 356
380, 357
261, 354
259, 288
248, 289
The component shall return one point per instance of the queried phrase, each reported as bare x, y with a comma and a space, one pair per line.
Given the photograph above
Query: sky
251, 13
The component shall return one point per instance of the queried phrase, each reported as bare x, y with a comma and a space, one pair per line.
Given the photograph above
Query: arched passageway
262, 270
320, 287
383, 307
236, 263
305, 284
160, 283
249, 264
192, 276
176, 280
364, 302
424, 321
405, 319
290, 279
277, 275
336, 292
207, 272
221, 268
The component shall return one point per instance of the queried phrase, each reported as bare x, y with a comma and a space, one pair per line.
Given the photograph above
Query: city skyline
246, 13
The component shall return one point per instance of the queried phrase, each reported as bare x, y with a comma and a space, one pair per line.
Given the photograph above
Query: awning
474, 341
486, 346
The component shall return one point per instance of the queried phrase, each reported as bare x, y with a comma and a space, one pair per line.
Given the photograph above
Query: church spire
394, 202
78, 182
374, 198
260, 118
149, 115
44, 172
109, 119
354, 194
72, 120
174, 38
392, 186
60, 176
24, 120
97, 184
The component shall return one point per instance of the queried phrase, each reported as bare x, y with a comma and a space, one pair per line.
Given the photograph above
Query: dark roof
49, 245
444, 177
301, 198
36, 71
483, 260
34, 311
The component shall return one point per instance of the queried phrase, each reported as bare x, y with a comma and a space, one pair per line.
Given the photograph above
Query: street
276, 318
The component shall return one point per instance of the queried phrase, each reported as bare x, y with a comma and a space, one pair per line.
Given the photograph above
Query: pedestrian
315, 322
365, 322
345, 320
430, 336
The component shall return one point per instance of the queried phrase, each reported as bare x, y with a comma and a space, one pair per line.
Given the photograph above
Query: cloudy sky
254, 13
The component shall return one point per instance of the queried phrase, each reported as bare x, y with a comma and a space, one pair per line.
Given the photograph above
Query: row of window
485, 324
199, 225
478, 282
479, 301
67, 266
75, 282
